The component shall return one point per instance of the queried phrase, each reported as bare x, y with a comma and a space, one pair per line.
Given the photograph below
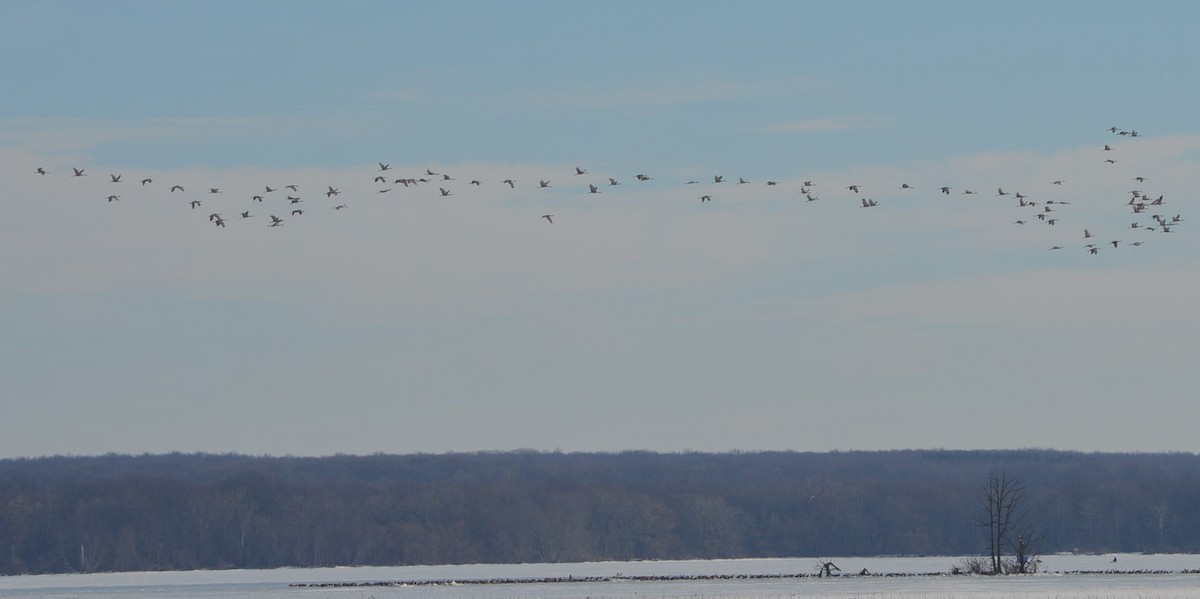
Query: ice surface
273, 584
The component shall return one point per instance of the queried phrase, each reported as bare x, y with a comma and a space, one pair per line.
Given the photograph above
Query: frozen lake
1054, 583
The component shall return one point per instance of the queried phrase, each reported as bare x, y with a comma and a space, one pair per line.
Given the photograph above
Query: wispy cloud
673, 95
857, 122
62, 135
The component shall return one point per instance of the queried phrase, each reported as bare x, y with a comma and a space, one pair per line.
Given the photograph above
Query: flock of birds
286, 202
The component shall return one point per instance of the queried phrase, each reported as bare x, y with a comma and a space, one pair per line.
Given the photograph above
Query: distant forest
199, 511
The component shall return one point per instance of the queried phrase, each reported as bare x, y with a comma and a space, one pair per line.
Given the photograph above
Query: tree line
190, 511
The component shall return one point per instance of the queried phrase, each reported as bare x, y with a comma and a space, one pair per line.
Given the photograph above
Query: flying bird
115, 178
549, 218
78, 172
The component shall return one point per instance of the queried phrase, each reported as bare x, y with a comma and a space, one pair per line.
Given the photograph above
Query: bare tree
1003, 514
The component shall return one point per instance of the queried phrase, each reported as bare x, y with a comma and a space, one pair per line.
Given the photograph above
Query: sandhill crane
276, 221
147, 180
580, 171
256, 199
592, 189
41, 170
445, 192
853, 188
549, 218
78, 172
246, 214
384, 167
175, 188
332, 192
267, 189
705, 199
1058, 182
511, 184
641, 177
946, 190
339, 206
194, 204
115, 178
543, 183
214, 190
1000, 192
612, 181
1087, 234
718, 178
113, 198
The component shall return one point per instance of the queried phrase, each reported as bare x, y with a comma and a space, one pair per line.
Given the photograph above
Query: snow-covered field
272, 584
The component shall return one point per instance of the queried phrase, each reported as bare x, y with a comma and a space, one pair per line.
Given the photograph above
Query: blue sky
641, 318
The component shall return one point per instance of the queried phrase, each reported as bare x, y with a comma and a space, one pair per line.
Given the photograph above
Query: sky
781, 316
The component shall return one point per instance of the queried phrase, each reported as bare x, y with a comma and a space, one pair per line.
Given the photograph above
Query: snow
1052, 583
